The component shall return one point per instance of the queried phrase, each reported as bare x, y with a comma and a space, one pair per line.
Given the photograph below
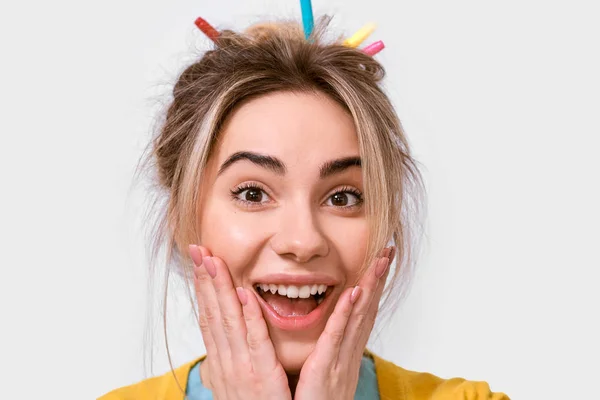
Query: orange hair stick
207, 28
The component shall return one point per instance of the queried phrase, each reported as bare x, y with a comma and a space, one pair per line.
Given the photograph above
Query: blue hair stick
307, 17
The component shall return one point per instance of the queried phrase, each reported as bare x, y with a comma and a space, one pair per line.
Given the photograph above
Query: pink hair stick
374, 48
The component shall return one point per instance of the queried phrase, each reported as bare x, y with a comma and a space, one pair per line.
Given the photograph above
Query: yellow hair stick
360, 36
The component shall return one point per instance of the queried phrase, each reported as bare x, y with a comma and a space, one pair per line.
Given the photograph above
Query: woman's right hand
242, 363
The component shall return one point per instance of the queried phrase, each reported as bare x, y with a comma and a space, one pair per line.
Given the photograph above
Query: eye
250, 194
345, 198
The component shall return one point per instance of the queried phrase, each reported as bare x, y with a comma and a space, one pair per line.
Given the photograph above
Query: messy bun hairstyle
268, 58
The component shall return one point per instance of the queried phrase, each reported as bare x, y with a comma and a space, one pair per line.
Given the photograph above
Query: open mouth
293, 300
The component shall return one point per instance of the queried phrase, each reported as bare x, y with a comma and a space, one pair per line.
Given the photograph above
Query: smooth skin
293, 207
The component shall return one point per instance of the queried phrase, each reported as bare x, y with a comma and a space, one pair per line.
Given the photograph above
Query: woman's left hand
332, 369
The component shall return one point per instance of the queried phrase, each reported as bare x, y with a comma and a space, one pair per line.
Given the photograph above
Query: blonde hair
269, 58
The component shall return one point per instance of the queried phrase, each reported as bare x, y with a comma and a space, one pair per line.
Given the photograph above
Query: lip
301, 322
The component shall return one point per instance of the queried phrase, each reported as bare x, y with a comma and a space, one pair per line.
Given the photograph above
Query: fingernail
210, 266
241, 293
385, 252
195, 254
382, 267
355, 294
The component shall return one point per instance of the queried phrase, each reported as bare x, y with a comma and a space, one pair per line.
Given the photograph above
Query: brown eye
344, 199
250, 195
253, 195
339, 199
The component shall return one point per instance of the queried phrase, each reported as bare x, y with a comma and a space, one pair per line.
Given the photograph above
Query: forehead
295, 127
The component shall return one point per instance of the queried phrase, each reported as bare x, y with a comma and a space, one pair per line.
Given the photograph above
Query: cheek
350, 240
229, 236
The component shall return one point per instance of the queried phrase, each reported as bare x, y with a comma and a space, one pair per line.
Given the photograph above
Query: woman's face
282, 206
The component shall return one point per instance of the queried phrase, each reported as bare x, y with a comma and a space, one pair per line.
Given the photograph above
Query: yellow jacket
394, 383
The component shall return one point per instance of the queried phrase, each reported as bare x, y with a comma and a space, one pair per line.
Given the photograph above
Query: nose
299, 235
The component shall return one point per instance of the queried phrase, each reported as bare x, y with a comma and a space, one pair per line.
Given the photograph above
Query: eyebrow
277, 166
268, 162
336, 166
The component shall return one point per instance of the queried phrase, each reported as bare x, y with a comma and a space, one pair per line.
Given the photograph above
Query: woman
291, 190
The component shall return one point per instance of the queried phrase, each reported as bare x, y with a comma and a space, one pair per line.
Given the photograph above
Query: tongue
287, 307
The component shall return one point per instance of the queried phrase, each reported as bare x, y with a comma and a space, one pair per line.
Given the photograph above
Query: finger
329, 345
260, 347
197, 253
365, 311
374, 306
218, 360
210, 314
327, 349
232, 318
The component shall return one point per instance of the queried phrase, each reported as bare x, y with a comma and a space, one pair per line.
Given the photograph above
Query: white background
500, 101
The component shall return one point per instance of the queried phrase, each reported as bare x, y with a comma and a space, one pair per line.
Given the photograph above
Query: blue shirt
366, 389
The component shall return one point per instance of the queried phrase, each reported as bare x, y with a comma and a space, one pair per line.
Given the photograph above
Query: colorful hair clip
207, 29
374, 48
307, 17
360, 36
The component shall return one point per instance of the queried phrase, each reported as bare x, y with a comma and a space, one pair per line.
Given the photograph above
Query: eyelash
243, 187
247, 186
351, 190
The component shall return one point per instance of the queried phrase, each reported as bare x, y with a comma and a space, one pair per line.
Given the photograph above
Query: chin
293, 354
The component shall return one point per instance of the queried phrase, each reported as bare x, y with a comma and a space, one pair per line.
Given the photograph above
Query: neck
293, 382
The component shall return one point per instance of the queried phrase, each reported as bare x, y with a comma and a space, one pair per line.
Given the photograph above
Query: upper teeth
292, 291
